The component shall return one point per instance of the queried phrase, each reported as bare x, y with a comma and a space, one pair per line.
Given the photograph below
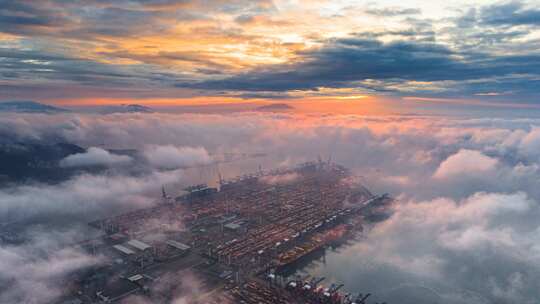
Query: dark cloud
31, 68
347, 62
510, 14
28, 17
204, 62
73, 28
80, 20
115, 21
262, 95
343, 61
485, 48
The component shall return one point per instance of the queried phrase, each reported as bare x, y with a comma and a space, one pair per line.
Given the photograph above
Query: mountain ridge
29, 106
275, 107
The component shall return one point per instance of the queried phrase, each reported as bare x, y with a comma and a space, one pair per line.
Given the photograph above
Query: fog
92, 157
465, 218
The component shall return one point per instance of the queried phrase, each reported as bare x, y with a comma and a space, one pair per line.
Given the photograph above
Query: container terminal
232, 243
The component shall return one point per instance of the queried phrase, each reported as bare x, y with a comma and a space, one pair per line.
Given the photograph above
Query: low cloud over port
465, 190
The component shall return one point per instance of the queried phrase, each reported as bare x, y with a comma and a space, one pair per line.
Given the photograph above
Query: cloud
280, 179
453, 241
171, 157
82, 198
92, 52
94, 157
345, 60
391, 12
466, 163
386, 67
466, 188
20, 17
530, 144
185, 291
46, 220
36, 271
45, 71
512, 13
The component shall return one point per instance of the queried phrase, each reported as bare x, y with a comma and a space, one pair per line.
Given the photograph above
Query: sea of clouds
466, 216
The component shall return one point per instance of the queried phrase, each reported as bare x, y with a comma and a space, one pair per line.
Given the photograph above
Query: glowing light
352, 97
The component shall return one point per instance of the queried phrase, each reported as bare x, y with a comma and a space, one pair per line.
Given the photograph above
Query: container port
235, 240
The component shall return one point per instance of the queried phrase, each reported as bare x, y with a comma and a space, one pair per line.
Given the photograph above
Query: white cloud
94, 157
468, 187
171, 157
530, 144
83, 197
466, 163
35, 272
280, 179
455, 243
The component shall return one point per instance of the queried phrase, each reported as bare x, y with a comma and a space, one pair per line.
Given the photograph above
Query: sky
434, 102
197, 52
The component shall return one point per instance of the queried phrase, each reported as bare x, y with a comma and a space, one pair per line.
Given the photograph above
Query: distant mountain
137, 108
26, 106
126, 108
275, 107
34, 161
